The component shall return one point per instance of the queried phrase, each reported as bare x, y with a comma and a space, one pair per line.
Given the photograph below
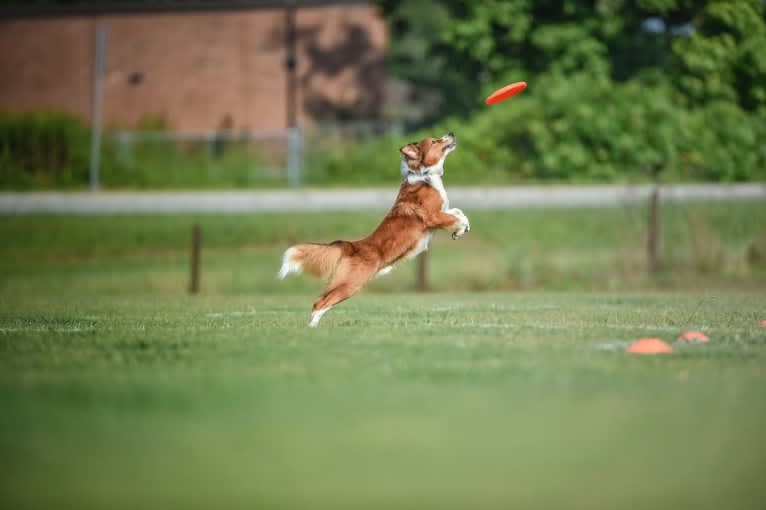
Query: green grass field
119, 390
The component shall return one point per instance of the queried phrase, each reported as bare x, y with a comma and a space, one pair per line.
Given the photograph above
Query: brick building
195, 65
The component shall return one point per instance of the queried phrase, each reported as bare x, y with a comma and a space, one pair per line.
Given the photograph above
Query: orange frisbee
506, 92
649, 346
763, 323
693, 336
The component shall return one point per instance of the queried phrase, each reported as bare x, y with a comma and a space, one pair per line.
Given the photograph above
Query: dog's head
427, 156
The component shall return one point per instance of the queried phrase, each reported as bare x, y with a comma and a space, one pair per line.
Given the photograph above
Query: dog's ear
410, 151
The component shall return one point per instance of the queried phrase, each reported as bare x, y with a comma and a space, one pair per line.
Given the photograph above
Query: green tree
724, 58
619, 89
707, 50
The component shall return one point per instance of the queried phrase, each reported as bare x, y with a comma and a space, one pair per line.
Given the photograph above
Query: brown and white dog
420, 208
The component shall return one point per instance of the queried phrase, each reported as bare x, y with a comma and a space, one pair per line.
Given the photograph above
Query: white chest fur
436, 183
433, 177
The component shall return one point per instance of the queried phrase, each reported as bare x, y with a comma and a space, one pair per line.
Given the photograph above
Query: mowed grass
702, 245
398, 401
119, 390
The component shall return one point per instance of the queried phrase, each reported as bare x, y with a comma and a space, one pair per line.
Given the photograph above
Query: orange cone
649, 346
693, 336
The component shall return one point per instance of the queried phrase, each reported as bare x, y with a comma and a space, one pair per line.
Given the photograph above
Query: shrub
582, 128
42, 149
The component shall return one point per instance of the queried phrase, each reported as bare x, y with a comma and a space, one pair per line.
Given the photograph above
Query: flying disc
649, 346
693, 336
506, 92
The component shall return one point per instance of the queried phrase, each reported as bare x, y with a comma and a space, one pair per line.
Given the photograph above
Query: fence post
421, 285
653, 245
196, 246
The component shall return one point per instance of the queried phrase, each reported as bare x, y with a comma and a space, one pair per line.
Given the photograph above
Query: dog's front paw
460, 232
462, 225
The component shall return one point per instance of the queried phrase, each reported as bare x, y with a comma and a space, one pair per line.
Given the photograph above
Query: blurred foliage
42, 149
583, 129
46, 150
193, 164
618, 90
705, 50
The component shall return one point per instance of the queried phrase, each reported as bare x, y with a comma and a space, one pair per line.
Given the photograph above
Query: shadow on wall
340, 81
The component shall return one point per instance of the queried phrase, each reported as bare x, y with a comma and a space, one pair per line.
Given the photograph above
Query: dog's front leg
451, 219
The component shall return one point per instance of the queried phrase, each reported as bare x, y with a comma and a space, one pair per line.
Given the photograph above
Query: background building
196, 66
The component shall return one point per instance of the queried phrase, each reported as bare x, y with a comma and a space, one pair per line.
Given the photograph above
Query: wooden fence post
196, 245
421, 284
653, 245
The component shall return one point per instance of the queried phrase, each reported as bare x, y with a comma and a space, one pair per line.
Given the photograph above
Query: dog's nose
451, 134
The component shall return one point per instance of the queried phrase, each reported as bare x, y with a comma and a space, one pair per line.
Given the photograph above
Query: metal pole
294, 155
98, 75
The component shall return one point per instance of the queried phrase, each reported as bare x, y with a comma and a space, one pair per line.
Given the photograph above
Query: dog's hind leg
332, 297
346, 282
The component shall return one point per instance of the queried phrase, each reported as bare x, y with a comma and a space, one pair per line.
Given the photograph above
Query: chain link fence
227, 158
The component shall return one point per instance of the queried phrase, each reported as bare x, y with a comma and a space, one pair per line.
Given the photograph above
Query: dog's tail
315, 259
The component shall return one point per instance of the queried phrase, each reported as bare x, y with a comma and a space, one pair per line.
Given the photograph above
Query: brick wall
195, 69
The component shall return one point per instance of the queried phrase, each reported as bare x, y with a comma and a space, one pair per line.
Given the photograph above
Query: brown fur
349, 265
317, 259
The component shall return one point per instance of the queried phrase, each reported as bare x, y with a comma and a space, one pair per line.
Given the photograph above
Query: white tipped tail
289, 264
315, 259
